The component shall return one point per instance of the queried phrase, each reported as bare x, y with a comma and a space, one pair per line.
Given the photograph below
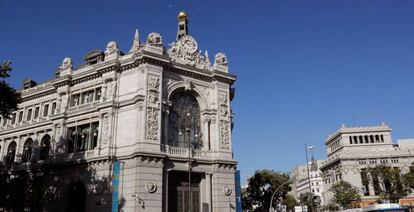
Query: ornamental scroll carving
224, 121
185, 51
153, 107
105, 129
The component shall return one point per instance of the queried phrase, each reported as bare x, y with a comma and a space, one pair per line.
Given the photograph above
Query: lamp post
274, 192
307, 168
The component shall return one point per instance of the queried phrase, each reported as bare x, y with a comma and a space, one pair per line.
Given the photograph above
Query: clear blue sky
304, 67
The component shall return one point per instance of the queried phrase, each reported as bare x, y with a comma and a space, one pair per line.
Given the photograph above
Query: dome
182, 16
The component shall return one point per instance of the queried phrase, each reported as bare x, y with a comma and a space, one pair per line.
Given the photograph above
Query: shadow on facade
55, 184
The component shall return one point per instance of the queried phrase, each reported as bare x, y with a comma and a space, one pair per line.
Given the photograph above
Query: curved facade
163, 113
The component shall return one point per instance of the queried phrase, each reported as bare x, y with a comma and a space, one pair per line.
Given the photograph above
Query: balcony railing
183, 152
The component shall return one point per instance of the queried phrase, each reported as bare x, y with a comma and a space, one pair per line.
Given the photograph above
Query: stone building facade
302, 184
162, 113
352, 151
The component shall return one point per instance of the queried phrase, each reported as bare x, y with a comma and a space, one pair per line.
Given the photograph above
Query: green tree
290, 202
260, 188
344, 194
393, 186
408, 178
9, 97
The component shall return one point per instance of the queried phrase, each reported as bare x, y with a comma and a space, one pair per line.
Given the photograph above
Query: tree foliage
392, 184
9, 97
344, 194
260, 188
290, 202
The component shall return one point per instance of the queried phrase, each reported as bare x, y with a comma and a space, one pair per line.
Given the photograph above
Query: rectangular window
13, 118
37, 110
98, 94
83, 137
74, 100
45, 110
29, 115
53, 108
20, 116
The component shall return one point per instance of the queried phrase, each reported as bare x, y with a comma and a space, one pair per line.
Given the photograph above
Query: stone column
370, 185
208, 190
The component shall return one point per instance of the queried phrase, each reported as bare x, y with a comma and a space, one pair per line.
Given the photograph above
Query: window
4, 121
87, 97
184, 121
83, 137
98, 94
371, 138
74, 100
360, 139
36, 115
29, 115
20, 116
45, 110
13, 118
350, 140
53, 108
382, 138
27, 150
11, 152
45, 147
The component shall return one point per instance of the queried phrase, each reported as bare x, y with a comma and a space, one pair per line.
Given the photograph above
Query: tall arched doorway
76, 197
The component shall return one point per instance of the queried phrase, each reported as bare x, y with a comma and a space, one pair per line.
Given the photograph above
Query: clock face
188, 44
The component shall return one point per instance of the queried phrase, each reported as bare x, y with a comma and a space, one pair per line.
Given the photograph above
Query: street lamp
310, 148
274, 192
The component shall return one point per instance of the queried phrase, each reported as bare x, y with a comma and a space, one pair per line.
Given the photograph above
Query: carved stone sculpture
154, 39
185, 51
67, 64
111, 48
220, 59
153, 107
224, 121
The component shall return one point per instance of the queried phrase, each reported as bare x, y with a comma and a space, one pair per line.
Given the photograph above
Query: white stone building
301, 184
162, 111
352, 150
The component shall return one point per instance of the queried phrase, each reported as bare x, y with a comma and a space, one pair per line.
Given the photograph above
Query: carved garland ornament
153, 107
224, 121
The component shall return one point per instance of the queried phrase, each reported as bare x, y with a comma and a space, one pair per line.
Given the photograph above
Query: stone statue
154, 39
111, 48
66, 64
220, 59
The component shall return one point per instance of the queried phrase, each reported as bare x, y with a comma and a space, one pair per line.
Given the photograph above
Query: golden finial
182, 16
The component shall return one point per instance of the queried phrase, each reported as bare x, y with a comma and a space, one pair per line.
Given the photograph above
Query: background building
146, 128
352, 150
300, 185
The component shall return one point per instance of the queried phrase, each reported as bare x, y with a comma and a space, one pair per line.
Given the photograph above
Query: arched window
376, 139
361, 139
27, 150
11, 152
45, 147
366, 139
372, 138
184, 121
